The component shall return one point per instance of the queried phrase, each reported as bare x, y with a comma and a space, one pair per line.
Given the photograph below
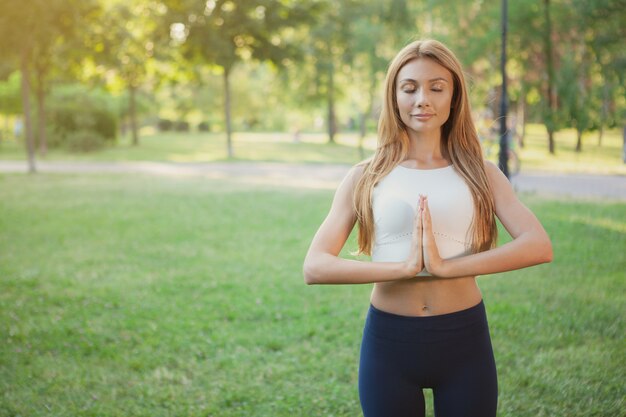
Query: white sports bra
395, 199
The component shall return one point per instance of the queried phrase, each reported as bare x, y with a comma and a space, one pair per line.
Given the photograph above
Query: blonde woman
426, 204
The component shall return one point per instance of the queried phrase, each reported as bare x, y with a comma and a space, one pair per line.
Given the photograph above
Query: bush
182, 126
81, 120
84, 141
165, 125
204, 127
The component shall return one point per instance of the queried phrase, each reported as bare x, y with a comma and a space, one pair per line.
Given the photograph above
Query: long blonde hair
460, 145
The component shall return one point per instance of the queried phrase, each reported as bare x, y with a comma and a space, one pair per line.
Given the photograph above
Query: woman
426, 204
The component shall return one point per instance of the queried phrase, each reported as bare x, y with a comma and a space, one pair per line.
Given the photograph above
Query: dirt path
323, 175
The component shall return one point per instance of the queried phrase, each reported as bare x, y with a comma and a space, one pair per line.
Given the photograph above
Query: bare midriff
426, 296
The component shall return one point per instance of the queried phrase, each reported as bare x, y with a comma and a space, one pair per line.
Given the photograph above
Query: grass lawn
208, 147
151, 296
594, 159
312, 148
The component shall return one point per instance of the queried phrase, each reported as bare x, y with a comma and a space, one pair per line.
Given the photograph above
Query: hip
426, 296
466, 324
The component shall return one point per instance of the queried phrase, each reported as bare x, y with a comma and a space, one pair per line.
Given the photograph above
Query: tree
18, 40
28, 32
124, 43
222, 33
10, 102
550, 111
604, 35
578, 103
376, 34
328, 47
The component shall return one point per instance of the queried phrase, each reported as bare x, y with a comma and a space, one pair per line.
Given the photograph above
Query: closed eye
437, 87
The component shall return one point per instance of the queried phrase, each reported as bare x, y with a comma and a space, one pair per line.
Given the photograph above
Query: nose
421, 99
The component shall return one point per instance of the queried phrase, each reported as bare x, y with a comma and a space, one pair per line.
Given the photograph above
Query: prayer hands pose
424, 254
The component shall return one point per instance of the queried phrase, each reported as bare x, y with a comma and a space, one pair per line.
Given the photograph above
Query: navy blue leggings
450, 353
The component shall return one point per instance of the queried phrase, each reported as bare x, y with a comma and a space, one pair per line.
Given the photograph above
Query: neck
425, 147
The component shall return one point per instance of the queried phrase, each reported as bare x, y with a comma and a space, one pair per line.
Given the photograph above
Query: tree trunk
332, 122
370, 105
362, 133
28, 131
521, 117
132, 109
551, 141
550, 125
41, 114
229, 143
600, 133
579, 140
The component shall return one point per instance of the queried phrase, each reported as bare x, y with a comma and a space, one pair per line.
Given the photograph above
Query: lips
422, 115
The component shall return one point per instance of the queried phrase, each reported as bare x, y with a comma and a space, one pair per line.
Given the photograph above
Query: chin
424, 129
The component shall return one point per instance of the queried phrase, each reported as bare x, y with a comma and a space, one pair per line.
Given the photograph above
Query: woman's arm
530, 245
323, 265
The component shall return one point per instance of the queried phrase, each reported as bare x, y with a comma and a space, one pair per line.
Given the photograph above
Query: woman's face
424, 94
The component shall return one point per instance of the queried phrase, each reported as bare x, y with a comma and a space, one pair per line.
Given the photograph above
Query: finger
420, 238
427, 221
416, 221
418, 211
420, 225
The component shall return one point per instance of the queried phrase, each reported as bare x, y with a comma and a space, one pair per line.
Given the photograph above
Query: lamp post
503, 157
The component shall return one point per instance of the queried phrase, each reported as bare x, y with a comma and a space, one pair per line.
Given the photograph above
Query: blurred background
188, 152
83, 75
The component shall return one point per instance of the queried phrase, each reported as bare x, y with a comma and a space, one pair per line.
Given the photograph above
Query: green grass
208, 147
594, 159
151, 296
196, 147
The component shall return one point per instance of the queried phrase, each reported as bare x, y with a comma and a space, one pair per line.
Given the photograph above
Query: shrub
165, 125
84, 141
81, 120
182, 126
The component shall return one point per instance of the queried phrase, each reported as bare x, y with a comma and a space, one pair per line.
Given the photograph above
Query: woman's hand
432, 260
415, 262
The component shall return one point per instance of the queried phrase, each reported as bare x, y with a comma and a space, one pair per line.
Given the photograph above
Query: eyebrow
430, 81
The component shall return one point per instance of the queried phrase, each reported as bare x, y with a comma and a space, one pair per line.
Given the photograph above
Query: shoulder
491, 168
355, 173
494, 174
350, 180
500, 185
345, 193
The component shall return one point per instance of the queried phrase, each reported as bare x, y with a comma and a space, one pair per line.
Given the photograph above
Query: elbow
538, 248
311, 275
316, 269
549, 254
546, 253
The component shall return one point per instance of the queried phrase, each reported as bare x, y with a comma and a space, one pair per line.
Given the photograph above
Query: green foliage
125, 42
83, 140
10, 100
225, 32
80, 119
580, 107
321, 57
156, 296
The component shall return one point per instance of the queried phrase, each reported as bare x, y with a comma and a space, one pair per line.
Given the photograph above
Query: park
157, 199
